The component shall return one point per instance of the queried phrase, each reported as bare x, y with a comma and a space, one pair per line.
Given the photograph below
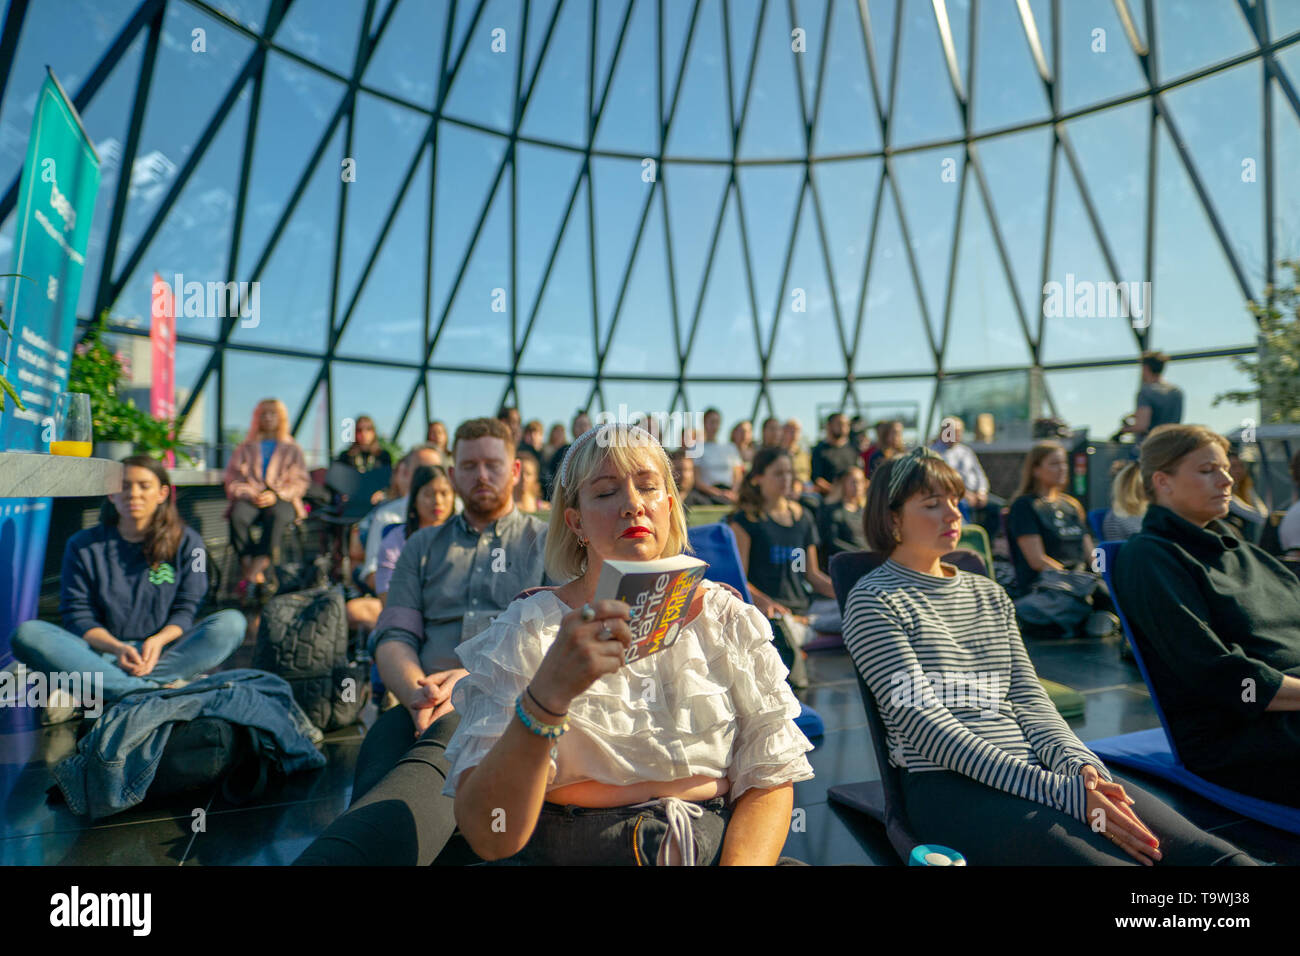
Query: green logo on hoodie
162, 573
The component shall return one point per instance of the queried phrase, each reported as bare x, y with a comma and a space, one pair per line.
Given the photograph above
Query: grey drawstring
679, 814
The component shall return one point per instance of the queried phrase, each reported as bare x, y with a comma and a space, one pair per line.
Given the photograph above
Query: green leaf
5, 387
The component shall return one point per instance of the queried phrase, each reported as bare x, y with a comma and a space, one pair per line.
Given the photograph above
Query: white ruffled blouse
714, 703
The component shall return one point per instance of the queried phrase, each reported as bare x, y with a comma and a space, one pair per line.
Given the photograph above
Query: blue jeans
47, 647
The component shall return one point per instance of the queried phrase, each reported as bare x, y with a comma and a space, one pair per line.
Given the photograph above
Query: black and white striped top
956, 689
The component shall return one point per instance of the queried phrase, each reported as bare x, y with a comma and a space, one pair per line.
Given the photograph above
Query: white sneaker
60, 708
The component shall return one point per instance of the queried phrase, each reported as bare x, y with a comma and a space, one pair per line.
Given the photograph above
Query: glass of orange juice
72, 425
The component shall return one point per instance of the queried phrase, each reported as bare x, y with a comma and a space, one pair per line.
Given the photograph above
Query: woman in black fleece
1217, 621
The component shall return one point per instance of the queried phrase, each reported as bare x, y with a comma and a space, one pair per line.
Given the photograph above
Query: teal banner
56, 199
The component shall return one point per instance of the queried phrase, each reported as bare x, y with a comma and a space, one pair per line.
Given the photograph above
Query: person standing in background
1158, 402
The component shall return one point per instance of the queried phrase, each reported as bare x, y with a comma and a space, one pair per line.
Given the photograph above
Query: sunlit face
527, 473
929, 523
771, 432
1237, 469
140, 496
855, 486
1199, 488
712, 422
435, 502
1052, 471
742, 434
581, 425
365, 433
684, 474
837, 427
896, 435
438, 434
790, 434
624, 517
533, 435
557, 436
777, 481
483, 475
268, 418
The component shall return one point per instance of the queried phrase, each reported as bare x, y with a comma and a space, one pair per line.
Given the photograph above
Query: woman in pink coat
265, 481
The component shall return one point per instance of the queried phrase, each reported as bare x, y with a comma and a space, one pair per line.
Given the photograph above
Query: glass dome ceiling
771, 206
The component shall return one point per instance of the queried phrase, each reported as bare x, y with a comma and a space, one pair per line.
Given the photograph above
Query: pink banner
162, 338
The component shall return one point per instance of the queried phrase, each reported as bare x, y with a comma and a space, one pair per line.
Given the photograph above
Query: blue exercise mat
1153, 751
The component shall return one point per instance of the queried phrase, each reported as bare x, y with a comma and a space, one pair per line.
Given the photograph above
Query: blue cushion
716, 545
810, 722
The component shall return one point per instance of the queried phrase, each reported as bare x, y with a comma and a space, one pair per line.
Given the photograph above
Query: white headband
631, 430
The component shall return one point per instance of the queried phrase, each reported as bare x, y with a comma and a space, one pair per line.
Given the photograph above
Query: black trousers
991, 827
274, 520
398, 815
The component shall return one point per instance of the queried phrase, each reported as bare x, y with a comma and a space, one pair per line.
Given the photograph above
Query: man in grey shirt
1158, 402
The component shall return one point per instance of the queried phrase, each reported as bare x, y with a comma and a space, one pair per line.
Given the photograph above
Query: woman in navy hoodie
130, 588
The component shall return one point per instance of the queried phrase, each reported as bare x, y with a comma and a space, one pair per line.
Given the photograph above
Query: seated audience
771, 434
984, 509
799, 455
1217, 621
684, 477
988, 764
1246, 510
1288, 532
718, 465
449, 584
437, 438
777, 539
364, 611
1128, 504
839, 526
548, 702
528, 493
832, 456
888, 445
1046, 527
129, 589
265, 480
430, 503
530, 444
581, 424
742, 439
554, 442
365, 453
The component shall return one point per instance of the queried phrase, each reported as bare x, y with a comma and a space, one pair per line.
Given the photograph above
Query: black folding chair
352, 491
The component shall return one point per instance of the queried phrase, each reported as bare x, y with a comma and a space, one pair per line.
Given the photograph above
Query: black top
830, 461
839, 530
778, 557
1059, 523
1165, 402
1217, 621
364, 461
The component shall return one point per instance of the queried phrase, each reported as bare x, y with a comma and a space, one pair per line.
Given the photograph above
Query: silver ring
588, 612
605, 633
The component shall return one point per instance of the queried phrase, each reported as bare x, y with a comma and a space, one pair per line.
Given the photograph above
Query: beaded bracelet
552, 731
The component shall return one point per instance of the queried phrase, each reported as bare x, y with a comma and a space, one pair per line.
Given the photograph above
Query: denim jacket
115, 763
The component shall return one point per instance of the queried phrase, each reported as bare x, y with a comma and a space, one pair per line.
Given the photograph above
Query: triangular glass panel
283, 148
557, 110
483, 91
1211, 378
620, 196
984, 329
807, 340
1112, 149
644, 340
194, 240
907, 400
635, 400
294, 288
1097, 398
313, 434
371, 390
1044, 26
184, 94
925, 106
1289, 59
808, 403
387, 146
459, 40
414, 430
1198, 302
609, 21
1286, 198
546, 180
700, 125
388, 318
71, 55
742, 23
628, 123
552, 400
928, 184
847, 194
252, 376
810, 17
561, 339
770, 198
1008, 89
1219, 120
694, 195
200, 429
477, 331
892, 337
468, 163
539, 19
332, 41
1016, 170
1082, 309
959, 22
773, 125
456, 397
675, 22
1283, 18
847, 120
1097, 61
1192, 36
883, 24
735, 402
408, 57
724, 343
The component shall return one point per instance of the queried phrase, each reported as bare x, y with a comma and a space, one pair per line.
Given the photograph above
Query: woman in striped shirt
990, 767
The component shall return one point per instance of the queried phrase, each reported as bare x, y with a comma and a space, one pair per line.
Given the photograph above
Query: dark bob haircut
932, 476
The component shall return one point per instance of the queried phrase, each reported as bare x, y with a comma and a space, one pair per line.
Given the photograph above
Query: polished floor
204, 830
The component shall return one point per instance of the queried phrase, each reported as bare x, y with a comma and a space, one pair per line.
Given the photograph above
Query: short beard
474, 510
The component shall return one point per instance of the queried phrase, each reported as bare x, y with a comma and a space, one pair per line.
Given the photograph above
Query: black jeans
991, 827
274, 520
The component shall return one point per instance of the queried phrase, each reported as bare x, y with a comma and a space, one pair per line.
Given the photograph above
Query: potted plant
1275, 368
